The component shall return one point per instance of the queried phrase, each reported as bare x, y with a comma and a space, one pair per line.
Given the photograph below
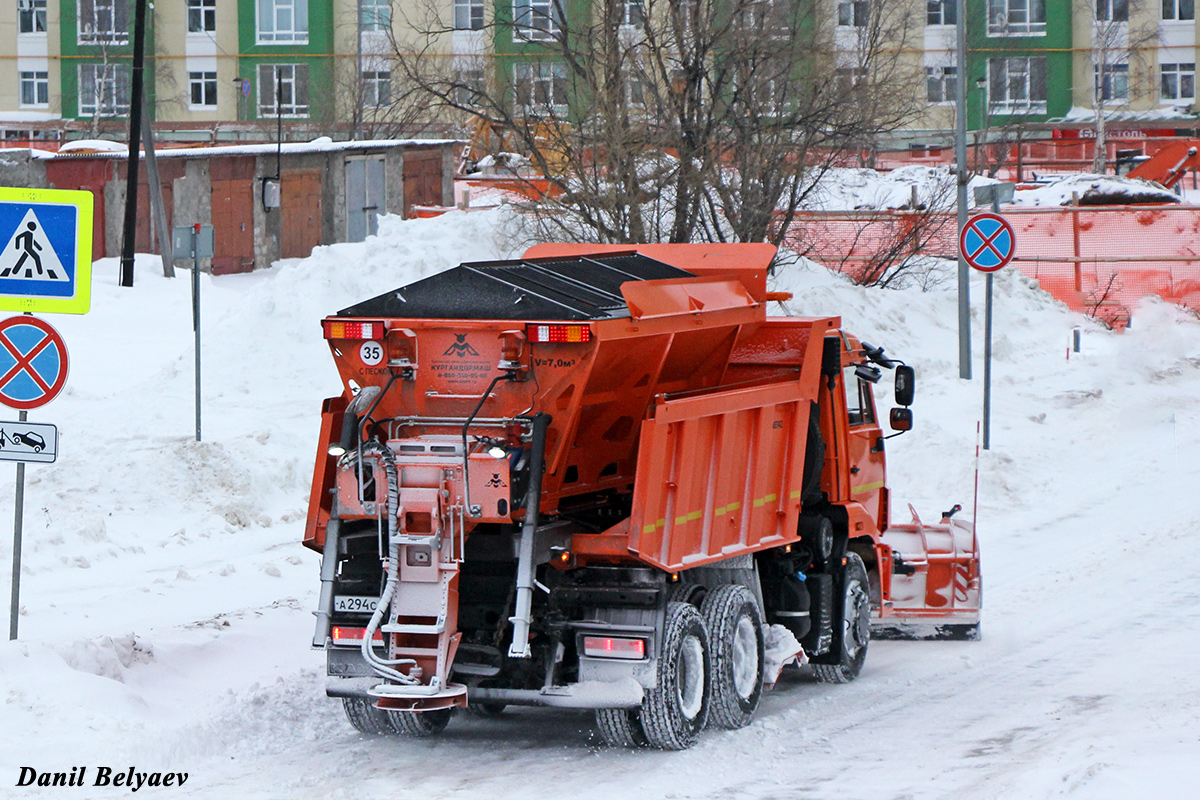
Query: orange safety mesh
1098, 260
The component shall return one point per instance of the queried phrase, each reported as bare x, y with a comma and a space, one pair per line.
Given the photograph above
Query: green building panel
99, 55
1054, 45
311, 61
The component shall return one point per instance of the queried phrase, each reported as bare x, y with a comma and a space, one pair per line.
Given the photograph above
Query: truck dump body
538, 469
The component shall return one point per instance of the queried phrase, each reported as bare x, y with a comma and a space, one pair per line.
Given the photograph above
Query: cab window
860, 402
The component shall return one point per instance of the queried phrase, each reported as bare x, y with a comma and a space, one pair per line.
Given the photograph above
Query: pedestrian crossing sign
46, 260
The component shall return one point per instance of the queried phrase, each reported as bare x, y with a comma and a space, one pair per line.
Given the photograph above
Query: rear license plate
352, 604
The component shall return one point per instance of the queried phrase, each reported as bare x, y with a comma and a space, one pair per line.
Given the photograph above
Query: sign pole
196, 317
988, 243
196, 242
987, 367
18, 524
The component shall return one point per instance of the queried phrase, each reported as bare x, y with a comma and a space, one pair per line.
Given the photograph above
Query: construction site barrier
1099, 260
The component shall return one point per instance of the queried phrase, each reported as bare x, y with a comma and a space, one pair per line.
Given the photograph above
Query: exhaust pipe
521, 618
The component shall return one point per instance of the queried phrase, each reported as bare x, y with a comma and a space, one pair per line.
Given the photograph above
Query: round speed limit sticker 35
371, 353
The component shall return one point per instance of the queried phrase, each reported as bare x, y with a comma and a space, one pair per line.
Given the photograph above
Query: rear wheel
620, 727
735, 633
851, 640
419, 724
366, 718
676, 710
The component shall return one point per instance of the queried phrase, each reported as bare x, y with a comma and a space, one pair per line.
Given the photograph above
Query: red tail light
341, 635
610, 647
356, 329
558, 333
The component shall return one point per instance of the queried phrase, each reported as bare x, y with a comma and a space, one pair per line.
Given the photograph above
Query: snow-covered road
167, 598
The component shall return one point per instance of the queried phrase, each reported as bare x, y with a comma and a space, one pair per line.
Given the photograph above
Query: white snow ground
166, 596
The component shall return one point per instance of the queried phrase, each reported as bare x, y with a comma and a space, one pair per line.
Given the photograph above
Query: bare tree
674, 120
1101, 305
901, 247
1118, 40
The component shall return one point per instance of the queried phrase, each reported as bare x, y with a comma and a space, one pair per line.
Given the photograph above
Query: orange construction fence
1097, 259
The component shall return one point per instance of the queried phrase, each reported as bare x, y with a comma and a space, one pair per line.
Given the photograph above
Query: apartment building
238, 67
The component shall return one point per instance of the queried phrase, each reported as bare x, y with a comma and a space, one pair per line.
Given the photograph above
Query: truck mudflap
936, 587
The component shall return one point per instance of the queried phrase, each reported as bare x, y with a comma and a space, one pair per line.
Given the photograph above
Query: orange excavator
1170, 163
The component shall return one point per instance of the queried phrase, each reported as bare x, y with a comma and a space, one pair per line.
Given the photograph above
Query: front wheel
851, 640
419, 724
366, 718
676, 710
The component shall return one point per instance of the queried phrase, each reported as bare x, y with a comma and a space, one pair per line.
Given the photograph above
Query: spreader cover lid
571, 289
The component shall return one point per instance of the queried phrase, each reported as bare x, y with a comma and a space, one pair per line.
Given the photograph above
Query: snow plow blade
936, 590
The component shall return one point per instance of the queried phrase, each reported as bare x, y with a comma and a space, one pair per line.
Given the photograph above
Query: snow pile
849, 189
1095, 190
167, 600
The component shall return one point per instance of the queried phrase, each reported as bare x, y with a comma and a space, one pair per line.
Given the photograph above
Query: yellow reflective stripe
723, 510
866, 487
762, 501
650, 528
795, 495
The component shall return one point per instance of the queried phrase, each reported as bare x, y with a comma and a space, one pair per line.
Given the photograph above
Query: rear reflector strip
609, 647
341, 635
341, 329
558, 333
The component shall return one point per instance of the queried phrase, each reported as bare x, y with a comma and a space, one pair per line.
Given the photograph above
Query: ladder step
398, 628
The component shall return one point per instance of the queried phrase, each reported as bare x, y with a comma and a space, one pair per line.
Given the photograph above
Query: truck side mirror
901, 419
906, 378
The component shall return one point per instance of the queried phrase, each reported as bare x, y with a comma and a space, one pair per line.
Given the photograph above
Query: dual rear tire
710, 672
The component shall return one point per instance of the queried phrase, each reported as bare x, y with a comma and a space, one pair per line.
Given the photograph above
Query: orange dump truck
602, 477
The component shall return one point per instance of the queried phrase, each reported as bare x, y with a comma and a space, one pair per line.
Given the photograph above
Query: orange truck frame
602, 477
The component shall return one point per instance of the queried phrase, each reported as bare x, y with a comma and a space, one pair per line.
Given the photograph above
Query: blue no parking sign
987, 242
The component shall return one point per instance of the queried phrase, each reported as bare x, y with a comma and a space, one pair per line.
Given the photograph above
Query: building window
468, 90
377, 88
103, 90
468, 15
846, 79
633, 12
1112, 83
35, 89
282, 21
537, 19
286, 82
540, 88
1017, 85
1112, 10
1179, 9
1016, 17
1178, 81
202, 88
853, 13
941, 84
31, 16
103, 21
941, 12
375, 15
202, 16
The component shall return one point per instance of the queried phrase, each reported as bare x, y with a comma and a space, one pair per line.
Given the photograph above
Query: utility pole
135, 144
960, 162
